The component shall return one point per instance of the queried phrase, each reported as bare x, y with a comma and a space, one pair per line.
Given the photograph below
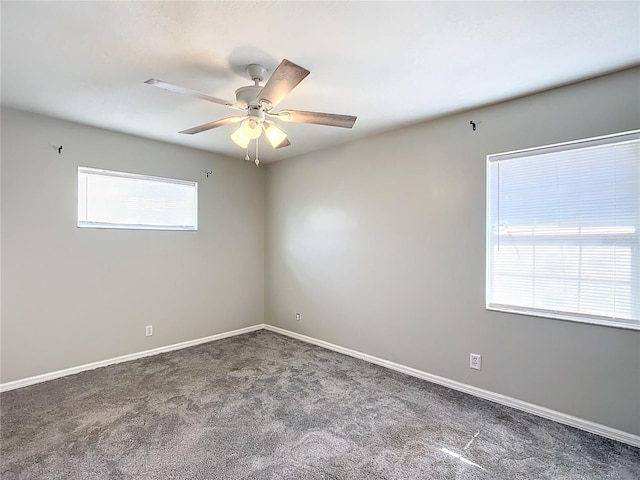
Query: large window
126, 200
563, 231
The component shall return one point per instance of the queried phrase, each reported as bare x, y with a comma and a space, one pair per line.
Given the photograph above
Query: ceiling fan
258, 103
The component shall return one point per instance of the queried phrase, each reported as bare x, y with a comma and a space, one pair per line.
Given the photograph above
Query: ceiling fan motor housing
248, 96
256, 113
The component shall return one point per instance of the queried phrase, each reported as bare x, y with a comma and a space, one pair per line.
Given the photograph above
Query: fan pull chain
257, 160
247, 156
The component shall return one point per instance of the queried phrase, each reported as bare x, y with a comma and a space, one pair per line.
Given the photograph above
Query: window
563, 231
126, 200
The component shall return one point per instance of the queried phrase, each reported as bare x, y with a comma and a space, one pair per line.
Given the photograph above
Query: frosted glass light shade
274, 134
240, 138
251, 128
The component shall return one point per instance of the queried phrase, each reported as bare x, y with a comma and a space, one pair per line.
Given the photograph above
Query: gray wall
72, 296
380, 244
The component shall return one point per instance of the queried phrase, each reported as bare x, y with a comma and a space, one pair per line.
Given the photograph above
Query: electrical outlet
475, 361
148, 330
298, 317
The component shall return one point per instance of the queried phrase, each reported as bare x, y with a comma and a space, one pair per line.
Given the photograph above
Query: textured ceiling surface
389, 63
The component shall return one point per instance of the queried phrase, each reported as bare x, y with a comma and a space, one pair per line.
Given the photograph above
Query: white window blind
563, 231
109, 199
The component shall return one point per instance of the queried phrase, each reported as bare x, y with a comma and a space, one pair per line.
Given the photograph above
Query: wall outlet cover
475, 361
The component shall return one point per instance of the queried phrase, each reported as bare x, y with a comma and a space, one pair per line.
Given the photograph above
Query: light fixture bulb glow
274, 134
251, 128
240, 138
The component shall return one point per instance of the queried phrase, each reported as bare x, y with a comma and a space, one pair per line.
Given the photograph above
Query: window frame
136, 176
633, 240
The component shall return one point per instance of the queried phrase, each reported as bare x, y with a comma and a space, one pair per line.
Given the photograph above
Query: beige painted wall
72, 296
380, 244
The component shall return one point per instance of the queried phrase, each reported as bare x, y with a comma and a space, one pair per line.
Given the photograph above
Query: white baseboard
559, 417
4, 387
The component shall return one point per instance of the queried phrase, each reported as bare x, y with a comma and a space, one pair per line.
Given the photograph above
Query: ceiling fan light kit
258, 103
251, 128
240, 138
275, 135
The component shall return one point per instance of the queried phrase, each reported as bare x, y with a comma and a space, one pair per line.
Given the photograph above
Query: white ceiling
389, 63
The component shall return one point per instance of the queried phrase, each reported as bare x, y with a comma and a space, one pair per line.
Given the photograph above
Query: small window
563, 231
125, 200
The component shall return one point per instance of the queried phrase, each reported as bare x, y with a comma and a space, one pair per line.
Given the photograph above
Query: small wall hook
60, 150
208, 173
473, 125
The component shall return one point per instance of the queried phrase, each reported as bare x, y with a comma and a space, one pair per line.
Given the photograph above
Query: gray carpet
264, 406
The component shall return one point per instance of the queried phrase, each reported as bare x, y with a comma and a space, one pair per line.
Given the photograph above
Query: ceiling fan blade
284, 143
192, 93
318, 118
284, 79
210, 125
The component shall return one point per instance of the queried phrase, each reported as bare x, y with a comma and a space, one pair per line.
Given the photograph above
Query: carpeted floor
265, 406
